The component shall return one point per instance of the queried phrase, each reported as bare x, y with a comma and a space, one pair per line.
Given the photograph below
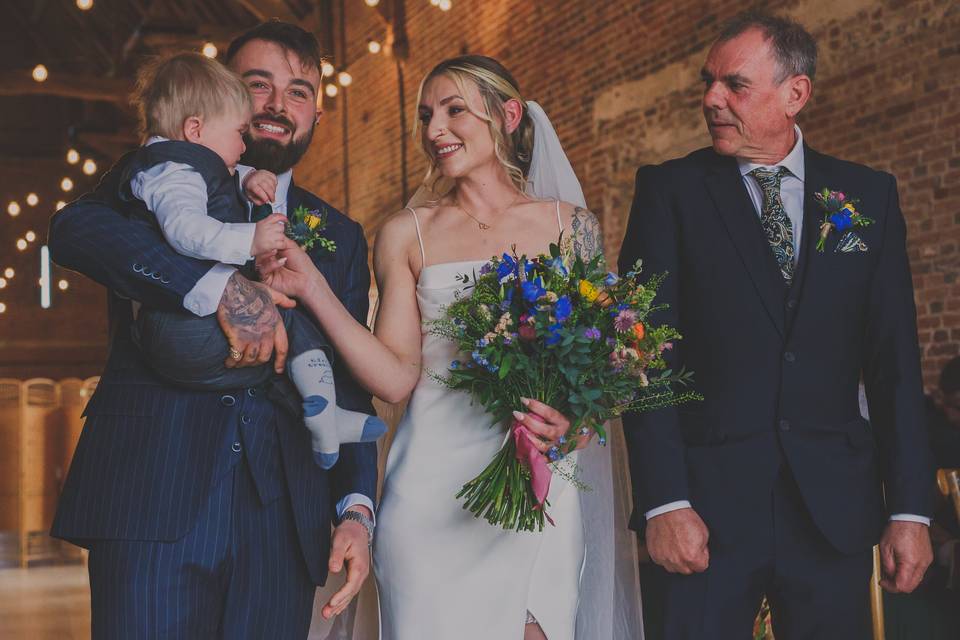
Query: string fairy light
66, 184
13, 208
73, 156
60, 205
30, 236
373, 47
84, 5
345, 79
8, 273
40, 73
89, 167
332, 90
32, 199
209, 50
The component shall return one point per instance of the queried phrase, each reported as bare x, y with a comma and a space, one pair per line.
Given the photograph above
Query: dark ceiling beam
109, 145
158, 37
265, 9
97, 88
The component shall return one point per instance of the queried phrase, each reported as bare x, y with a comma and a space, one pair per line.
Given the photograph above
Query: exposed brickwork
619, 80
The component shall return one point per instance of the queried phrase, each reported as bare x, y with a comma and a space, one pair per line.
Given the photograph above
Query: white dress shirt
177, 195
791, 194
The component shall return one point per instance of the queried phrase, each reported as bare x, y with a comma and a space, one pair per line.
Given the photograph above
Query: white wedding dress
442, 573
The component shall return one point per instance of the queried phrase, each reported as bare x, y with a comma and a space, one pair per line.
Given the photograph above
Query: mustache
276, 119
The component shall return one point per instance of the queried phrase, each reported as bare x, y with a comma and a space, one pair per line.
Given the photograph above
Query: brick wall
620, 81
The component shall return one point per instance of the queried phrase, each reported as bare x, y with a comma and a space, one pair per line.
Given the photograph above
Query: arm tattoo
587, 235
248, 308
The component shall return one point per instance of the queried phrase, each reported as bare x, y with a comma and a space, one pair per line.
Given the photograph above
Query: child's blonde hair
170, 90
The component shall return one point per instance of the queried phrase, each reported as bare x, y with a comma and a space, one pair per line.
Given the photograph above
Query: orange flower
639, 331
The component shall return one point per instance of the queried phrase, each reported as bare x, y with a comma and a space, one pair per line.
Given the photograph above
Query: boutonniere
306, 227
840, 213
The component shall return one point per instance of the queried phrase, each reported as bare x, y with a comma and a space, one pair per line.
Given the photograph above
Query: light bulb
13, 208
84, 5
3, 283
444, 5
372, 3
8, 273
3, 308
434, 2
30, 236
66, 184
373, 46
40, 73
60, 204
327, 69
345, 79
32, 199
40, 281
73, 156
89, 167
209, 50
21, 244
331, 90
63, 285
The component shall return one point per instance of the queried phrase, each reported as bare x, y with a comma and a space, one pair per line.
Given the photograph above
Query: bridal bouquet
563, 331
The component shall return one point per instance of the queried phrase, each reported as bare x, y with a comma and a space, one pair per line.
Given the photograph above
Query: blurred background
620, 80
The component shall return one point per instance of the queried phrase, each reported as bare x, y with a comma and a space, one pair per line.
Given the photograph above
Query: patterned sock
329, 425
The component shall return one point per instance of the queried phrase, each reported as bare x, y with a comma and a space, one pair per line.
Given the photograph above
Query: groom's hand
350, 545
677, 541
905, 554
249, 319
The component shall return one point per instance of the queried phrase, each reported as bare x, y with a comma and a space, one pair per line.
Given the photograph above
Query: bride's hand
548, 424
289, 270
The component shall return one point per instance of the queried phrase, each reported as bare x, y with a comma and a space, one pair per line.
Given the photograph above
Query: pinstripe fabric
237, 574
152, 457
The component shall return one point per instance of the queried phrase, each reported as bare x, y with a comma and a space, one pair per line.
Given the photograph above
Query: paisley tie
774, 220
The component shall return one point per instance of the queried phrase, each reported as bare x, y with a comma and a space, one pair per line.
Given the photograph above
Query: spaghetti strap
559, 221
416, 221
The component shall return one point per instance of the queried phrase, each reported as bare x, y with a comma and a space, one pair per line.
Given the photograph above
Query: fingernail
518, 416
525, 401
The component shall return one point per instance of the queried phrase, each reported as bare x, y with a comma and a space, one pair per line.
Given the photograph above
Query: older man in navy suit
772, 485
204, 512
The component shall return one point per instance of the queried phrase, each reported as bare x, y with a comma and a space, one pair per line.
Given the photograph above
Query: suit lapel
813, 180
733, 204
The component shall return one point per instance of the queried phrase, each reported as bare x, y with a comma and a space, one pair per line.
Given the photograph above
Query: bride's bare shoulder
396, 239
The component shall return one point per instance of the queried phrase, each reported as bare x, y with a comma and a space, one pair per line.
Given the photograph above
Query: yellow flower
311, 220
849, 207
588, 291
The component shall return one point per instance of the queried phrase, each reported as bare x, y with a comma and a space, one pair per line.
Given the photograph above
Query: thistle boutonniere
306, 227
840, 213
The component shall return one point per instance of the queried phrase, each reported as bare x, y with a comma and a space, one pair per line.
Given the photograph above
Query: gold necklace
483, 225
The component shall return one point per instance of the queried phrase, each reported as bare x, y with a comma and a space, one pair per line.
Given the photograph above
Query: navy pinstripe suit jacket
144, 463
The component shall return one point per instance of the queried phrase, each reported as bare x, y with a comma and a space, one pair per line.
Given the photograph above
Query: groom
772, 485
204, 513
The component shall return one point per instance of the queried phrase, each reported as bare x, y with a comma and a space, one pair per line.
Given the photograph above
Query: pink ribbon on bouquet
530, 456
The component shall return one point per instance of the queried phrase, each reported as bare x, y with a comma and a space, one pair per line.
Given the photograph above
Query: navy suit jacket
779, 367
144, 463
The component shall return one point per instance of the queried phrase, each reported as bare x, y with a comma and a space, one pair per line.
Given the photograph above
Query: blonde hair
170, 90
496, 85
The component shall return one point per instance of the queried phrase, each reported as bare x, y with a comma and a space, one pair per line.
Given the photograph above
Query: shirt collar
793, 162
152, 139
283, 187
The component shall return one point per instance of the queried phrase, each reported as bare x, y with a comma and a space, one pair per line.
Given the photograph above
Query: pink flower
624, 321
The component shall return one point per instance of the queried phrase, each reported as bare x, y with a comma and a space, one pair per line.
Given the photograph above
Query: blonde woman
441, 572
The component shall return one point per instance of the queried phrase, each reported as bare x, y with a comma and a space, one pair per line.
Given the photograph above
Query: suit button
228, 401
138, 267
164, 280
236, 447
155, 275
789, 356
784, 425
252, 392
791, 304
245, 419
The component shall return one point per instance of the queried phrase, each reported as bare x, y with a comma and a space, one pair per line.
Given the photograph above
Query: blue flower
557, 265
482, 342
507, 269
455, 364
533, 289
554, 336
841, 221
611, 279
563, 308
592, 333
486, 268
507, 298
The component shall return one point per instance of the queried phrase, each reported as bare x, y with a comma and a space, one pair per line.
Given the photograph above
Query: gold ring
235, 353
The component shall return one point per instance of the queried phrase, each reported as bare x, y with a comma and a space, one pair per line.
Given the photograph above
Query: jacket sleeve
356, 469
655, 449
891, 372
129, 256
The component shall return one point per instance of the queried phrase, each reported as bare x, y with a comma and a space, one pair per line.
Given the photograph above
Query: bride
497, 178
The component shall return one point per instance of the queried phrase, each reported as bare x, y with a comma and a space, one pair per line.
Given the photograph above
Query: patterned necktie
260, 211
775, 221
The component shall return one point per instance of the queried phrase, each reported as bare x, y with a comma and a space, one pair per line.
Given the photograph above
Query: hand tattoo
247, 308
587, 234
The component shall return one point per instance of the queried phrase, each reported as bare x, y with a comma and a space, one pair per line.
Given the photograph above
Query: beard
273, 155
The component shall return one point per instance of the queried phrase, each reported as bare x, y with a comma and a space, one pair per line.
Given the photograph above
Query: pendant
483, 225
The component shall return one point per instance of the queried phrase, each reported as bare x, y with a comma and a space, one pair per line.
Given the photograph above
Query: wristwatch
367, 523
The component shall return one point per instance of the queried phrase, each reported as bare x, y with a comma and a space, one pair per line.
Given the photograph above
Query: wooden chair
41, 453
948, 480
